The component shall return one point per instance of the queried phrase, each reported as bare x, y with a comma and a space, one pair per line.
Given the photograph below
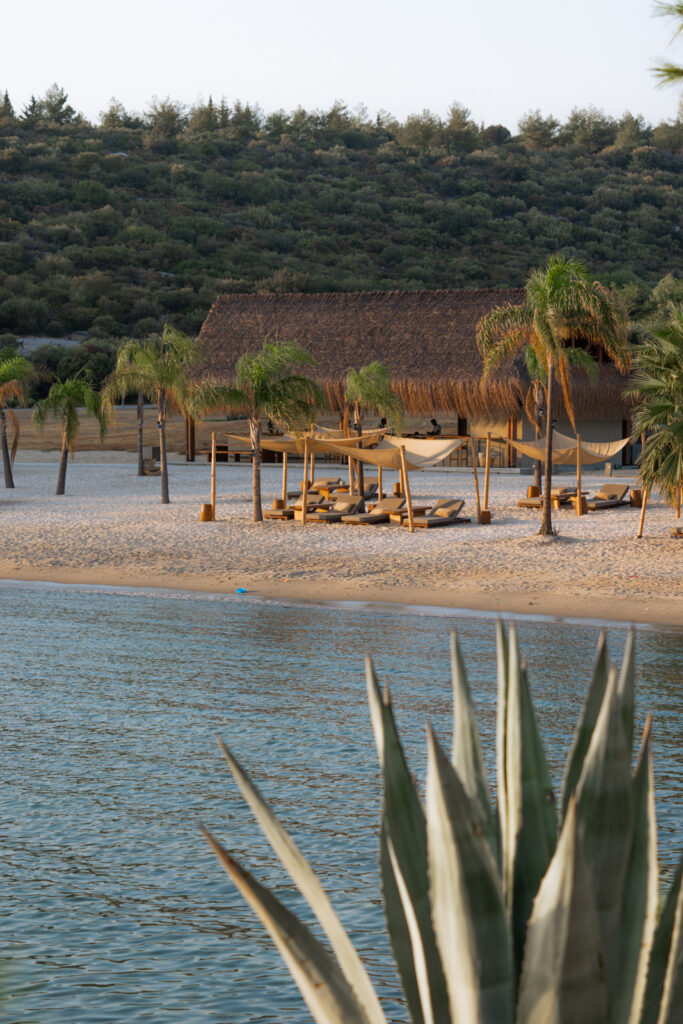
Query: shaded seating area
609, 496
341, 508
443, 513
379, 514
562, 496
312, 502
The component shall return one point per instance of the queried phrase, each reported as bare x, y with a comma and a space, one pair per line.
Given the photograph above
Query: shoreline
656, 612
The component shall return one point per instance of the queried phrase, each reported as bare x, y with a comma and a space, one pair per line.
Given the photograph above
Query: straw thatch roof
427, 339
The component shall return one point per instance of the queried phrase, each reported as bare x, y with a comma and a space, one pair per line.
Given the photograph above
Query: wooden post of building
646, 495
189, 439
579, 503
406, 488
487, 470
284, 479
305, 491
213, 477
476, 478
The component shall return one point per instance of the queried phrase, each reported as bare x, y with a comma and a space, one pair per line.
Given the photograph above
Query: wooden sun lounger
342, 507
609, 496
379, 514
562, 496
312, 503
444, 513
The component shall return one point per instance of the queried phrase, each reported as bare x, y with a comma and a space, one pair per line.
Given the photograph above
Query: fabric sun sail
295, 445
565, 449
420, 453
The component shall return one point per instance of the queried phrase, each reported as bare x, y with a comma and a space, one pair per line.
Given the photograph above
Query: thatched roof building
427, 339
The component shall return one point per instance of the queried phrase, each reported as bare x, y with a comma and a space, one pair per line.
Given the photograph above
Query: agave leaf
467, 756
319, 979
531, 819
627, 688
501, 731
589, 716
663, 995
469, 916
639, 899
309, 886
399, 932
405, 830
562, 978
605, 815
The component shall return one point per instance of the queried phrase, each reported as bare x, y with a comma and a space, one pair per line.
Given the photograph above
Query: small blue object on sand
240, 590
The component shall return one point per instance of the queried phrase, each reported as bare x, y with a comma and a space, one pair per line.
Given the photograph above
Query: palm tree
159, 369
268, 384
562, 303
63, 401
14, 375
369, 389
657, 387
668, 73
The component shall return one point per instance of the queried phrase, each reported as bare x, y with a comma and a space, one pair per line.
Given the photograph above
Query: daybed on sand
312, 502
443, 513
563, 494
379, 514
609, 496
342, 507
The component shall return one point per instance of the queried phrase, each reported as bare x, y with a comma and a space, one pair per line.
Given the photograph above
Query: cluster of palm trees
563, 303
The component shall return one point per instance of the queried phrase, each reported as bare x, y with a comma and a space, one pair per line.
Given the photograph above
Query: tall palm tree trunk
6, 461
546, 529
141, 413
63, 459
255, 431
161, 423
539, 414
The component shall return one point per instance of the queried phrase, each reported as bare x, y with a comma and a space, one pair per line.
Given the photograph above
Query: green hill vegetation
112, 229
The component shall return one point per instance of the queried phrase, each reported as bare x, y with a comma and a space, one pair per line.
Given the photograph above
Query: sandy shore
111, 529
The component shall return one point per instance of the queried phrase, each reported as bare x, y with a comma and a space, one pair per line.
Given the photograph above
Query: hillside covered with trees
112, 229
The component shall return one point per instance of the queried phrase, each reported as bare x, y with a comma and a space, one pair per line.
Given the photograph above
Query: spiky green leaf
589, 716
530, 813
605, 815
309, 886
404, 826
664, 992
318, 978
562, 978
639, 901
467, 756
469, 916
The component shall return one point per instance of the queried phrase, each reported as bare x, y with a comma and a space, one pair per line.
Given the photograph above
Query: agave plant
534, 912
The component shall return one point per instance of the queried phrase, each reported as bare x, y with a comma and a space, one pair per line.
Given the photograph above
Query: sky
499, 59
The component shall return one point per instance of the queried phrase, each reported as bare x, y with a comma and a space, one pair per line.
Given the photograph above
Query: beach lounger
342, 507
444, 513
312, 502
609, 496
563, 494
379, 514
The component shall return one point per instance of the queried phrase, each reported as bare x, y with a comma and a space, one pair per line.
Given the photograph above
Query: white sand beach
111, 529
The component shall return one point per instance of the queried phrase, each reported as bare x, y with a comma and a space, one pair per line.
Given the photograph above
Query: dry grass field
122, 435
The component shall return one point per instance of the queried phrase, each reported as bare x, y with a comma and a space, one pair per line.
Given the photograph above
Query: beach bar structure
427, 339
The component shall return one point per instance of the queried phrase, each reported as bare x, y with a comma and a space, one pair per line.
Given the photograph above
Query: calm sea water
113, 907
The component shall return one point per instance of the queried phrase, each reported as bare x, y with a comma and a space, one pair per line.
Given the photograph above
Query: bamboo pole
305, 491
487, 470
476, 479
406, 491
213, 477
646, 495
284, 479
312, 466
579, 503
379, 481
